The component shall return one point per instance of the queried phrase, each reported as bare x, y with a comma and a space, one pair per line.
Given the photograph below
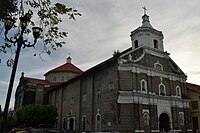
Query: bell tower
146, 35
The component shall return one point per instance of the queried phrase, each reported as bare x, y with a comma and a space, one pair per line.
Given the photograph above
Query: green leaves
7, 8
61, 8
34, 115
10, 62
11, 122
116, 53
49, 16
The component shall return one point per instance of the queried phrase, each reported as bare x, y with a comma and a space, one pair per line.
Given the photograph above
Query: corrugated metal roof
193, 87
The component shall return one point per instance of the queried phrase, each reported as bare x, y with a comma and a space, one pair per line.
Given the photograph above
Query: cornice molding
151, 99
151, 72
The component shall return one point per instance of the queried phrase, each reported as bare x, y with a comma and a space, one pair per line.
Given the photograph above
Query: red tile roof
193, 87
41, 81
66, 67
113, 58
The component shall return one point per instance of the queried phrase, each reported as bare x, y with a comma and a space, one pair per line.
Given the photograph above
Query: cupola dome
146, 35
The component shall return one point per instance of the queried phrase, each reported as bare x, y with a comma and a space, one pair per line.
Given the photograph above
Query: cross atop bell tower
144, 8
146, 35
145, 19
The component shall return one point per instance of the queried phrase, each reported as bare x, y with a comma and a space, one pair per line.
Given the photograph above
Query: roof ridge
34, 78
66, 67
41, 81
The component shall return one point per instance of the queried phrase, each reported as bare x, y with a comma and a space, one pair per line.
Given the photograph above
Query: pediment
132, 56
150, 59
175, 68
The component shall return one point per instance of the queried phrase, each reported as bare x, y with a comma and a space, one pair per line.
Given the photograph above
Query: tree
35, 115
116, 53
11, 122
7, 7
48, 17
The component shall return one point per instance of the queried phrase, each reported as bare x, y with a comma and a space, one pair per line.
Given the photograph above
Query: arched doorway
164, 122
71, 124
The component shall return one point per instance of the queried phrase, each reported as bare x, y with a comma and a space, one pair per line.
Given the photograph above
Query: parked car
18, 130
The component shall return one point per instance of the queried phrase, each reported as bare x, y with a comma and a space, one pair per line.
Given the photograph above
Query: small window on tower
143, 85
155, 42
72, 100
98, 94
136, 43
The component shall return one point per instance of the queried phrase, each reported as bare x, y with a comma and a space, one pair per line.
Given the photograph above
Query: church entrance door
164, 122
71, 124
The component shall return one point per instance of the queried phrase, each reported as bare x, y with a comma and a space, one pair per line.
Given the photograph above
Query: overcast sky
105, 26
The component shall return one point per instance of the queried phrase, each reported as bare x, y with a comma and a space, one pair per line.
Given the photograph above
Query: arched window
155, 42
143, 85
181, 118
84, 123
146, 118
158, 66
162, 90
98, 122
136, 43
178, 91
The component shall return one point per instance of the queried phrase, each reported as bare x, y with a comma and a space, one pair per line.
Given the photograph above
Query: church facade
138, 90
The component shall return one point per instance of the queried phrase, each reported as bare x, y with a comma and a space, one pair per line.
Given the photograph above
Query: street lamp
9, 23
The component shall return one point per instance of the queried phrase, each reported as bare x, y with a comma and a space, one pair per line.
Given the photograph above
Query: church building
35, 91
138, 90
